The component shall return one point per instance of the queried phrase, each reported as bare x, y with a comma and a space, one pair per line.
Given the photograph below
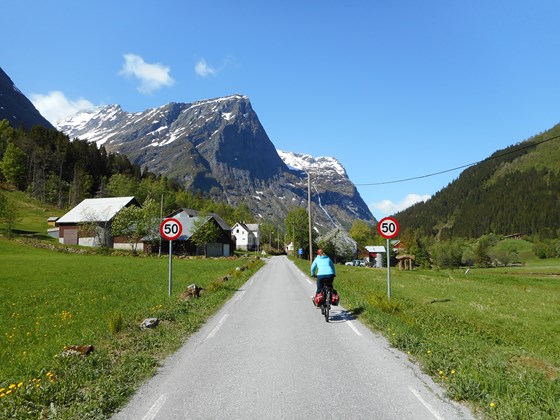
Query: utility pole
309, 216
161, 218
293, 240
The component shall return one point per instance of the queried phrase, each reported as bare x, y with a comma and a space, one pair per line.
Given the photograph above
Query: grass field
491, 336
51, 300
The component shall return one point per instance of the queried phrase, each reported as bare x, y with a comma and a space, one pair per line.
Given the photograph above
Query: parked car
356, 263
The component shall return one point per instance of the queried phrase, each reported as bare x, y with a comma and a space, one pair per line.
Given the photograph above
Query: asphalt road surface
269, 354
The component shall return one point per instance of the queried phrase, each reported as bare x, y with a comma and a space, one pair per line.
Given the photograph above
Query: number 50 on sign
388, 227
170, 229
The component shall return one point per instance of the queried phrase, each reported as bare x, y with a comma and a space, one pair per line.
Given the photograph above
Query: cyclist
323, 268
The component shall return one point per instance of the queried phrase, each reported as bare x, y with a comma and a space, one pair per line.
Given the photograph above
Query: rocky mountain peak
218, 146
16, 108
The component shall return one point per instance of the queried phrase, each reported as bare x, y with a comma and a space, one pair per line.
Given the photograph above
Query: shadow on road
340, 315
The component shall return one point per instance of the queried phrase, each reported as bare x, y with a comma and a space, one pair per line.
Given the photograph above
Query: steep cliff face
219, 146
16, 108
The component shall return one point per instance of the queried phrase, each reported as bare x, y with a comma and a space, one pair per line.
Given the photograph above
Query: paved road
269, 354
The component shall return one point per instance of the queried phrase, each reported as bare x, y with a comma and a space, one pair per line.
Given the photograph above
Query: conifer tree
13, 165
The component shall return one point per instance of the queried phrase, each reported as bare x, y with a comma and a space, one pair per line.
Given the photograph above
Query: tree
13, 165
242, 213
297, 227
267, 231
338, 245
8, 214
134, 223
469, 256
481, 253
80, 186
206, 231
6, 134
362, 233
419, 248
120, 185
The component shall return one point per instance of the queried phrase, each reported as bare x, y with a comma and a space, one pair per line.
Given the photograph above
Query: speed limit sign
388, 227
170, 229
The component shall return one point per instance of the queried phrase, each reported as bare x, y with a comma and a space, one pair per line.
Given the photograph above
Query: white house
289, 248
247, 236
89, 223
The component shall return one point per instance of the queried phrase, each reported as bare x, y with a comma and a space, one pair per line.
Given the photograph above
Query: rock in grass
192, 291
77, 350
149, 323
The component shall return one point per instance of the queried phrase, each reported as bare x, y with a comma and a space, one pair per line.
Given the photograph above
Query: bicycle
326, 304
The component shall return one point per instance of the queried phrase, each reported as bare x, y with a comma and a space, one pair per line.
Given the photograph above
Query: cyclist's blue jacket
323, 265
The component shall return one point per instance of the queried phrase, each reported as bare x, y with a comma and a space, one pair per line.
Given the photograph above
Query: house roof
96, 210
188, 218
188, 226
253, 227
249, 227
189, 213
375, 249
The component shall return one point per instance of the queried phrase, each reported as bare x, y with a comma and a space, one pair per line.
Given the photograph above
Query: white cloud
387, 207
151, 76
202, 68
55, 106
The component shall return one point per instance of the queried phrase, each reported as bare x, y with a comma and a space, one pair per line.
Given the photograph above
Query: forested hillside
516, 190
53, 169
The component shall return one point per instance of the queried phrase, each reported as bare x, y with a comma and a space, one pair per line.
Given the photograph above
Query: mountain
218, 146
16, 108
515, 190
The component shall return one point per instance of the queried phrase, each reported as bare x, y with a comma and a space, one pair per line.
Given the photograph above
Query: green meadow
53, 299
491, 337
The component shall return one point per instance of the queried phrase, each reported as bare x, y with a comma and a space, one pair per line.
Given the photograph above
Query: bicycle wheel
327, 306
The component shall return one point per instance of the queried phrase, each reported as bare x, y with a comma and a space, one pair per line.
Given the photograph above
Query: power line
462, 166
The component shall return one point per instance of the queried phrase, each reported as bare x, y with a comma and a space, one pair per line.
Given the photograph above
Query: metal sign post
388, 228
170, 267
170, 229
388, 271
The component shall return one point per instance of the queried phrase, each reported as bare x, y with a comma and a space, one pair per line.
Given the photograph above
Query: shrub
116, 323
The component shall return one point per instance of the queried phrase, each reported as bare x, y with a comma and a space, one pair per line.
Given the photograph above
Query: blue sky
393, 90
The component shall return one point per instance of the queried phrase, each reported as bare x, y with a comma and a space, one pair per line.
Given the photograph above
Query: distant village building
184, 245
89, 223
405, 261
289, 249
246, 236
375, 255
514, 236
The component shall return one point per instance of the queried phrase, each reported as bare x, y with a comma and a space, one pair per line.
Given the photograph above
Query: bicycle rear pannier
318, 300
334, 298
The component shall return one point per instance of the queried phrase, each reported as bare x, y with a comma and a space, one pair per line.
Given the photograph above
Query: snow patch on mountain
304, 162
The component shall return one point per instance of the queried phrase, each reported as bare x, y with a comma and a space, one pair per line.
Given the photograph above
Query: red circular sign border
170, 238
392, 220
